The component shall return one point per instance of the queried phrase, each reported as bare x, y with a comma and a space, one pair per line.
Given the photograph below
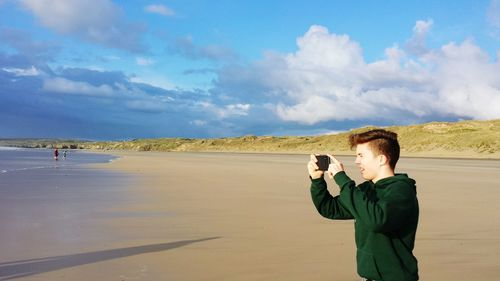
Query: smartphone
323, 162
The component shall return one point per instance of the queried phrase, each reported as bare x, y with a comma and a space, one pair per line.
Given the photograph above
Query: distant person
56, 154
64, 154
384, 207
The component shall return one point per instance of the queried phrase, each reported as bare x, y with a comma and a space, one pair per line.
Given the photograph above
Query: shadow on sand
16, 269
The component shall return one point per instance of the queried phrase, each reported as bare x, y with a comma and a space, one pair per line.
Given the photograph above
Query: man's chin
368, 178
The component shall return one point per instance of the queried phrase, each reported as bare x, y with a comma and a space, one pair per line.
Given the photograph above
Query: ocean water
49, 206
19, 159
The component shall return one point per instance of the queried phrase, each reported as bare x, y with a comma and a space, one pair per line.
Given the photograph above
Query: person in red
56, 154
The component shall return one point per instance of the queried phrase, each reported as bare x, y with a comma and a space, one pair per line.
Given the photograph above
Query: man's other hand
334, 167
312, 168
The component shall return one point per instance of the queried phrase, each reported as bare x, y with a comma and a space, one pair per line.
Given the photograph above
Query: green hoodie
386, 218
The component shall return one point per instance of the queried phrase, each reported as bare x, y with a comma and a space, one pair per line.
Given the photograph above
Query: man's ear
383, 160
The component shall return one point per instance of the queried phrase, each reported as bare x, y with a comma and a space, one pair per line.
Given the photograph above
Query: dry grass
468, 139
452, 139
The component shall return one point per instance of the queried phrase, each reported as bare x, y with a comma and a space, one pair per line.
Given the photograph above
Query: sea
16, 160
49, 206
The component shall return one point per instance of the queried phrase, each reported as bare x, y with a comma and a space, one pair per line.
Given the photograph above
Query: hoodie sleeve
327, 205
382, 215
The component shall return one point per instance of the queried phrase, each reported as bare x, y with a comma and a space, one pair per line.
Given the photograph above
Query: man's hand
334, 167
312, 168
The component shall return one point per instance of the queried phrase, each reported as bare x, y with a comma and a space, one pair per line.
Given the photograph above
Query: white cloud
416, 44
65, 86
32, 71
320, 49
422, 27
313, 110
130, 96
328, 79
224, 111
98, 21
467, 81
236, 109
144, 61
160, 9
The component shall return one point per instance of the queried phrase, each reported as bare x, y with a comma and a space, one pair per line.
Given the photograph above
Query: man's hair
381, 142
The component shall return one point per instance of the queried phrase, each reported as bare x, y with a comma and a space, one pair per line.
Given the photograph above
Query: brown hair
381, 142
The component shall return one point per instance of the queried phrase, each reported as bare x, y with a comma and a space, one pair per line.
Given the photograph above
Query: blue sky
132, 69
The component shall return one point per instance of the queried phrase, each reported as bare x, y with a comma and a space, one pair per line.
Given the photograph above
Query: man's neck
384, 173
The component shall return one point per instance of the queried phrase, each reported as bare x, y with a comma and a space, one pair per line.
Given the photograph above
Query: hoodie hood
397, 178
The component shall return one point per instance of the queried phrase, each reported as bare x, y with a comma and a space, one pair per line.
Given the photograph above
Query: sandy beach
226, 216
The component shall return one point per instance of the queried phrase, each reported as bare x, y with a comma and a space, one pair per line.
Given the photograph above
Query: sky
118, 70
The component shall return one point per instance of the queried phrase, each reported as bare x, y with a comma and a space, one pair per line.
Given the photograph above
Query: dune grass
454, 139
476, 139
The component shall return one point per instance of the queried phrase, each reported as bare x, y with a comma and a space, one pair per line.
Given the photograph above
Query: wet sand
223, 216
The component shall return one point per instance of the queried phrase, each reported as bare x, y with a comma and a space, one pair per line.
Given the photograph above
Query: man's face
367, 162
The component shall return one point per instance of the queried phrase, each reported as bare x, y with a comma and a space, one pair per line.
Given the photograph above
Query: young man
384, 207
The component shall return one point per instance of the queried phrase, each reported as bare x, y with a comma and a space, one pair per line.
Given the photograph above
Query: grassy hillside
42, 143
440, 139
460, 139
